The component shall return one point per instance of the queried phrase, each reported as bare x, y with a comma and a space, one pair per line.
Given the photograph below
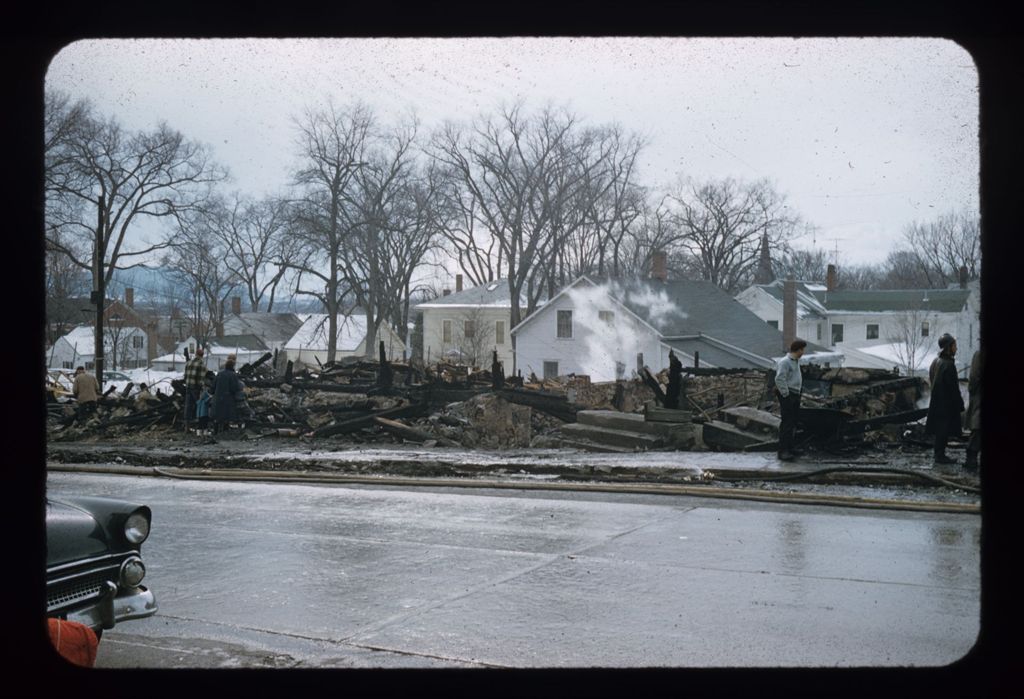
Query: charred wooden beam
652, 383
347, 426
891, 419
410, 433
553, 404
127, 389
248, 369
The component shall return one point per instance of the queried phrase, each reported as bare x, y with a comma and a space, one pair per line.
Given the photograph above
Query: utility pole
99, 290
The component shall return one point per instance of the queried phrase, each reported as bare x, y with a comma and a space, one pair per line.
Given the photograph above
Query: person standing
946, 403
195, 371
788, 385
227, 392
972, 419
86, 390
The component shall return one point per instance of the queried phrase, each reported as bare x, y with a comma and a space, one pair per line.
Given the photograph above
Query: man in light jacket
788, 385
86, 390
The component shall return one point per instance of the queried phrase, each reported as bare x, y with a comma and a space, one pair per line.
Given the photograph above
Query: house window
446, 332
499, 332
872, 333
68, 365
551, 369
819, 331
137, 341
90, 365
837, 333
607, 317
468, 328
564, 324
774, 324
924, 328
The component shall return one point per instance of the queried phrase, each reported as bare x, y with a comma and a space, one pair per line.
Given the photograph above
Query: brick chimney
963, 276
831, 278
446, 292
458, 282
236, 305
788, 313
659, 266
129, 296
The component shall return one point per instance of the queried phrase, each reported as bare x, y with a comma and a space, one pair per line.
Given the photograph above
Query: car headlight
136, 528
132, 572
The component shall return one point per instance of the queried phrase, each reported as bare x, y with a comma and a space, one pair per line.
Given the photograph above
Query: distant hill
152, 284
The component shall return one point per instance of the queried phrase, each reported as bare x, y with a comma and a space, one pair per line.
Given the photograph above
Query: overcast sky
862, 136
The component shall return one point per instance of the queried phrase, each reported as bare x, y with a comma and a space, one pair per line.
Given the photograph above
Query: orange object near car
75, 642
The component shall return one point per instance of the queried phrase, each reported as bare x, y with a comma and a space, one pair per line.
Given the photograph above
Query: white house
874, 327
309, 344
468, 325
124, 347
609, 329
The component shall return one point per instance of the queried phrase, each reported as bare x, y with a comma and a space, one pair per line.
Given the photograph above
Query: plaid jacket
195, 372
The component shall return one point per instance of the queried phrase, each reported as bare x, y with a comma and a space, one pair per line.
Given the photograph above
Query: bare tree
807, 265
333, 147
941, 247
529, 183
197, 259
906, 269
610, 204
101, 180
863, 277
67, 286
722, 223
397, 226
908, 338
474, 337
258, 250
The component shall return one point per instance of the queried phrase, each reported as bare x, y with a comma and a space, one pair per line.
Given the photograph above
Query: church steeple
764, 266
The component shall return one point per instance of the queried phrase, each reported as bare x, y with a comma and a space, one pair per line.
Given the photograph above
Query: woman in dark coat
227, 391
946, 402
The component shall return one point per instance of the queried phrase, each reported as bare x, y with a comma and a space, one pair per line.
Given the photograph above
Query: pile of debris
365, 401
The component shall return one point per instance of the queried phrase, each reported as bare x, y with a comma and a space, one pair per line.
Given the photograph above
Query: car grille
70, 592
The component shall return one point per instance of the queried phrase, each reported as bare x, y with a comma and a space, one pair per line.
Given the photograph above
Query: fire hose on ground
631, 488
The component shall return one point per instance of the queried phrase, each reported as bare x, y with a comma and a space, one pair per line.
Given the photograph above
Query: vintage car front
94, 567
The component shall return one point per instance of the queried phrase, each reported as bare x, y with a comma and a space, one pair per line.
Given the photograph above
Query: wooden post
386, 375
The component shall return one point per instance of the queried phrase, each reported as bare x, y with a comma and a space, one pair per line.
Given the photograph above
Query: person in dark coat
972, 419
227, 391
946, 403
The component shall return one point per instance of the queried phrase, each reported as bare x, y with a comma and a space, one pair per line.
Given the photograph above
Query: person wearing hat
946, 403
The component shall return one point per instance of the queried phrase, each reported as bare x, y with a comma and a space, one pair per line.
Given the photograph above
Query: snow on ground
155, 380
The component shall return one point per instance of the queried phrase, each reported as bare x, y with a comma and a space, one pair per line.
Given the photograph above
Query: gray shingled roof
489, 294
940, 300
808, 304
272, 327
716, 356
708, 310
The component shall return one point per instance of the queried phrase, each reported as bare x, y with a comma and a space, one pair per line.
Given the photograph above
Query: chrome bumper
112, 608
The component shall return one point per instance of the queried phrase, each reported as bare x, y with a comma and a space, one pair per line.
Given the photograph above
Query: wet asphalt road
283, 576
